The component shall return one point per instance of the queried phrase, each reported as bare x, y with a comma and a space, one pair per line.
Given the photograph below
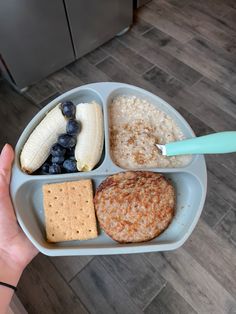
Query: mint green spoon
217, 143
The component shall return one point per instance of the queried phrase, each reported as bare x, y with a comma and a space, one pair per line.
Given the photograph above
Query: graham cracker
69, 211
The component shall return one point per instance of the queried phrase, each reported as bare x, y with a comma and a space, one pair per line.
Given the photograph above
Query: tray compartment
159, 104
77, 96
29, 202
189, 191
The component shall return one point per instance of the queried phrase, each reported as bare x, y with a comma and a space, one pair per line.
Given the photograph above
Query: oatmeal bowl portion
136, 124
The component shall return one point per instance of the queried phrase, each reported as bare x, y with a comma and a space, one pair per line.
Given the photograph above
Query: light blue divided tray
190, 183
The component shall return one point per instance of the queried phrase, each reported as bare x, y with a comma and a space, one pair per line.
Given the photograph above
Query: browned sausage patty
134, 206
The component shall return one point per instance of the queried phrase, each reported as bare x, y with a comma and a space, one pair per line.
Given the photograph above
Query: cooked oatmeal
135, 126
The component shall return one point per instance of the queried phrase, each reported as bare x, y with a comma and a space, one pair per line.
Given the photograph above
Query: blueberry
73, 127
54, 169
70, 152
68, 109
58, 159
66, 140
45, 168
58, 150
70, 165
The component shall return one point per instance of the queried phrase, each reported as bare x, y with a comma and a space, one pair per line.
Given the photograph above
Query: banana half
88, 149
37, 148
89, 145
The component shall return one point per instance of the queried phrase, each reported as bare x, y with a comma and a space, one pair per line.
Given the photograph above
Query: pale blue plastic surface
190, 183
217, 143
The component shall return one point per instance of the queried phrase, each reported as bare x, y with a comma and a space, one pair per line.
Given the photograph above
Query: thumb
6, 159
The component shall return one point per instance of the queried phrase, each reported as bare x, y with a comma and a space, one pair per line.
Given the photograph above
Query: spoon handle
217, 143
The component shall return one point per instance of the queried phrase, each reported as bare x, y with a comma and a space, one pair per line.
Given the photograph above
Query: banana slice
37, 148
89, 145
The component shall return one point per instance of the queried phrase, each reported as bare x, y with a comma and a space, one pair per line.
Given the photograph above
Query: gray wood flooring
183, 51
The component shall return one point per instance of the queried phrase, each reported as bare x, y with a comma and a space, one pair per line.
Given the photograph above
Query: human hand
16, 251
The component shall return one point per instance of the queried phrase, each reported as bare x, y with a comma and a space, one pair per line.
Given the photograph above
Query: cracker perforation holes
75, 217
55, 198
50, 205
73, 188
61, 190
77, 231
63, 219
74, 202
49, 191
53, 234
56, 212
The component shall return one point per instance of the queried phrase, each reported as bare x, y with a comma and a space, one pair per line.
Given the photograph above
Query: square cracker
69, 211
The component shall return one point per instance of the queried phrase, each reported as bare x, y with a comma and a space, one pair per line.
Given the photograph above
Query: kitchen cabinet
38, 38
94, 22
34, 39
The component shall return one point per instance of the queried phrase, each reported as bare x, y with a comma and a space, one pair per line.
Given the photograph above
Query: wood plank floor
183, 51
